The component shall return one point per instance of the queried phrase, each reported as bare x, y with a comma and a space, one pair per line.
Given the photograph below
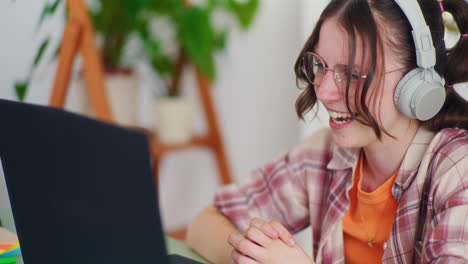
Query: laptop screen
81, 191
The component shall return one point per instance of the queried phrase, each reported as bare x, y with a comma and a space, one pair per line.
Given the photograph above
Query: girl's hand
273, 229
264, 250
256, 247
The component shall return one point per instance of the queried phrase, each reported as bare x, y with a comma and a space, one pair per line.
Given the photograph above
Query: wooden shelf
158, 149
79, 38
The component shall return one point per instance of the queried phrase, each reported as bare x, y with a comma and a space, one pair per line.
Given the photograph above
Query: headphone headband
425, 51
420, 94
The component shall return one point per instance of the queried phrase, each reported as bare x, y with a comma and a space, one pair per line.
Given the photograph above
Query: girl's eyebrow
355, 66
326, 63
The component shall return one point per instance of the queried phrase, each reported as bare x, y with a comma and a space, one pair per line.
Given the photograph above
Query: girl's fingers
245, 246
263, 226
284, 234
258, 236
273, 230
239, 258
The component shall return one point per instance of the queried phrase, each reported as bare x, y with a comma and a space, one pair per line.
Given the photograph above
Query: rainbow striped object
9, 250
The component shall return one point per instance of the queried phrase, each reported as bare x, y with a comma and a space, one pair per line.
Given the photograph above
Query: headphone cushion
404, 91
420, 94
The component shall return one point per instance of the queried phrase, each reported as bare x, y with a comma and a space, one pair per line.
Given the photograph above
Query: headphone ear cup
420, 94
404, 91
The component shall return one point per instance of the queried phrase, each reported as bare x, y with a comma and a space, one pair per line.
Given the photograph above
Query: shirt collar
345, 158
413, 156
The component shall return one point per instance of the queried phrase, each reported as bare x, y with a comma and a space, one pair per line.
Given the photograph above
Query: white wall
309, 15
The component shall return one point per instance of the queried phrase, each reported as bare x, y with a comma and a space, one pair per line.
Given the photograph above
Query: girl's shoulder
448, 162
446, 150
450, 142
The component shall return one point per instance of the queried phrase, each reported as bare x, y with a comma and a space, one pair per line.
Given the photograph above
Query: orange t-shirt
370, 216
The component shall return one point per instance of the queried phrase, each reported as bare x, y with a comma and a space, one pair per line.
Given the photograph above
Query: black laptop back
81, 191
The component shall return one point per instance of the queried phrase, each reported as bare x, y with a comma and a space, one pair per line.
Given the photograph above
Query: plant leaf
49, 9
20, 89
212, 4
40, 52
57, 51
245, 12
196, 38
162, 65
219, 41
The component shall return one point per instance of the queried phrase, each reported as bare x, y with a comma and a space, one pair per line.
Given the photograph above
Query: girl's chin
343, 141
351, 138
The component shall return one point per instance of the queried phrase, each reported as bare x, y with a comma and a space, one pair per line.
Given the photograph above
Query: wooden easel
79, 36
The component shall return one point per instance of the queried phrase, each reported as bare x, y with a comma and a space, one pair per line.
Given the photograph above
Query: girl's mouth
340, 118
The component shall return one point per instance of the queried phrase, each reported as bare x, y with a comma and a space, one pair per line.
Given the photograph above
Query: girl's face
332, 47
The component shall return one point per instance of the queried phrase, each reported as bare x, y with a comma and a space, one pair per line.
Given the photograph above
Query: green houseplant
197, 41
196, 36
118, 22
115, 23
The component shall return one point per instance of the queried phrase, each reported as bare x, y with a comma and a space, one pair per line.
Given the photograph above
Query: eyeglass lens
315, 71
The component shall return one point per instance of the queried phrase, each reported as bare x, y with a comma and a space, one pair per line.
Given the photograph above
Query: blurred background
253, 83
246, 48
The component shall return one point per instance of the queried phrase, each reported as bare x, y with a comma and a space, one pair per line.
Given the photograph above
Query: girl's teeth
336, 115
340, 118
339, 122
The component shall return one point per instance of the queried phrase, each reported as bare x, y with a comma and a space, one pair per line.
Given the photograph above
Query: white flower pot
174, 120
122, 92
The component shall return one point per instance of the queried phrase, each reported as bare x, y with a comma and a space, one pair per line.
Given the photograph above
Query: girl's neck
383, 158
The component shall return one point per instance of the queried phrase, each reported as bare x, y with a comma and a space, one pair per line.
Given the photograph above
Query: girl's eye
317, 66
354, 77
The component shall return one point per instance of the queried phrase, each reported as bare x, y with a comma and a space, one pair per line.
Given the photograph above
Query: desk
177, 247
173, 246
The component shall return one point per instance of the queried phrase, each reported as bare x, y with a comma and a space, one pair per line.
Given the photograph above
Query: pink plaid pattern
308, 187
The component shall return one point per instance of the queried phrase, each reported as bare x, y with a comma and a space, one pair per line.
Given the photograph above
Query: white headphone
421, 93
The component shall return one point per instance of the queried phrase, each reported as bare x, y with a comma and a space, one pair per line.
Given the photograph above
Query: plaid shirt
310, 184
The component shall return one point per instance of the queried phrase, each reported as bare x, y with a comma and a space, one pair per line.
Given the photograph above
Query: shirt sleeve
276, 191
447, 237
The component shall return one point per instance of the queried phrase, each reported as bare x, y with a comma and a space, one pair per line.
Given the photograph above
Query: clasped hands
266, 243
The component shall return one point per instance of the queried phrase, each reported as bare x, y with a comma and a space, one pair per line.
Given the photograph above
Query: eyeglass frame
329, 69
325, 67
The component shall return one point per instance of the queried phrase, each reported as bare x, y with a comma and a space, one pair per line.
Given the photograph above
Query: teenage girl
388, 181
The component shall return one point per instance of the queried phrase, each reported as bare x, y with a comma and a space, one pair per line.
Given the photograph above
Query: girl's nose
328, 91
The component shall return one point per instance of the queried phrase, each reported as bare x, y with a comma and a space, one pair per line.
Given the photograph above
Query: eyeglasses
315, 69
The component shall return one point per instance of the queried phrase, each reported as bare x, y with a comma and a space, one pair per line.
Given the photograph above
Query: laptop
81, 191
